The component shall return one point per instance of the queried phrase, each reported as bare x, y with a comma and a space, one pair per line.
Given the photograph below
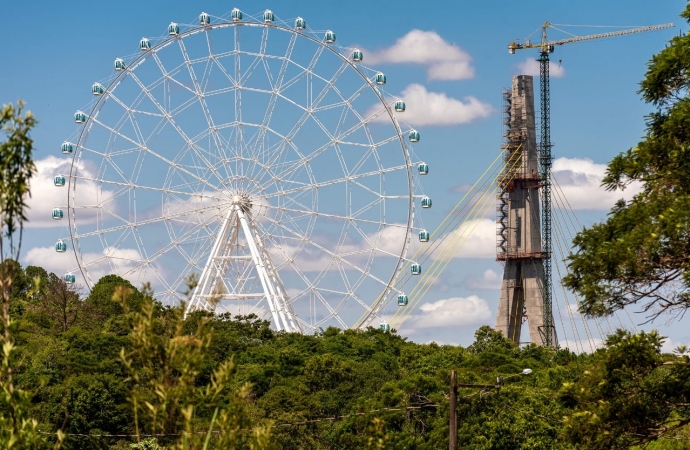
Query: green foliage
630, 394
16, 169
147, 444
164, 362
639, 254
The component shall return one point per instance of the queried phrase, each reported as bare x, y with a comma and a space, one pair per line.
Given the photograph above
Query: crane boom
546, 45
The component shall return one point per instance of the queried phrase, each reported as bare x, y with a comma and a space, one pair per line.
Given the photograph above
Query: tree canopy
639, 255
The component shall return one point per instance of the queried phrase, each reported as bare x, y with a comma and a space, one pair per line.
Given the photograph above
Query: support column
519, 232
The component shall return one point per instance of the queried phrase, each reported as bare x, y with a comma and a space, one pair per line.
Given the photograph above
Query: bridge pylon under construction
518, 223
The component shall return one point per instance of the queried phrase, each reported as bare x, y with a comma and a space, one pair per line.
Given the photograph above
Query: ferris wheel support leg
198, 302
269, 290
281, 294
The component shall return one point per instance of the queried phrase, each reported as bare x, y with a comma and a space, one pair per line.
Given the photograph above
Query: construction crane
545, 48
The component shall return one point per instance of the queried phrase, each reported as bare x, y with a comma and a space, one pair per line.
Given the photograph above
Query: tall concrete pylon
518, 225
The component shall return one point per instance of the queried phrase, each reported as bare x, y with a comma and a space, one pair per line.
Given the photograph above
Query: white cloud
580, 180
488, 280
446, 61
450, 312
474, 238
110, 260
670, 345
45, 195
436, 108
530, 66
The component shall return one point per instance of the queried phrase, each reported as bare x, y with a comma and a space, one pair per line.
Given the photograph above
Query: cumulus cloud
474, 238
450, 312
488, 280
445, 61
580, 180
436, 108
110, 260
530, 66
45, 195
389, 243
670, 345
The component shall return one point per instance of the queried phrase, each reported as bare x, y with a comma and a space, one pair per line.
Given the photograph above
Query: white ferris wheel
257, 154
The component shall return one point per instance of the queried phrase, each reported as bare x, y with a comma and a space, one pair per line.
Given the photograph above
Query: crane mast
545, 157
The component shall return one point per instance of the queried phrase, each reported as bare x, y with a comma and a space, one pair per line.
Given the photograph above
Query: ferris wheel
256, 155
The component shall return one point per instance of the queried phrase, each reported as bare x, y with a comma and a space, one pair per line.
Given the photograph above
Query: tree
639, 255
19, 429
164, 363
631, 394
61, 302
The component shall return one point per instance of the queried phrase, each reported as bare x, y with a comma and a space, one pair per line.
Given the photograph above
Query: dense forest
114, 369
92, 363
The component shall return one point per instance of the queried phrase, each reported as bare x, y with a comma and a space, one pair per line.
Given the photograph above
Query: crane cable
442, 261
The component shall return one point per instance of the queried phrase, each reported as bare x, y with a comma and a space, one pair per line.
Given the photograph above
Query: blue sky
55, 50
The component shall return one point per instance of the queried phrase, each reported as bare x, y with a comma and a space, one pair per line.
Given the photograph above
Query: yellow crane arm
548, 45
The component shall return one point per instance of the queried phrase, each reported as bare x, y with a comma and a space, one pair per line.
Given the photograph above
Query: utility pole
453, 407
453, 422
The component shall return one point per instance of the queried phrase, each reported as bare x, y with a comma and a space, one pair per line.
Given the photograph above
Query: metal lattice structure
256, 154
545, 157
545, 161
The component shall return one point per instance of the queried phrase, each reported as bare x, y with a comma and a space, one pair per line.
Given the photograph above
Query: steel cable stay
560, 238
455, 217
563, 239
567, 234
572, 216
423, 252
566, 211
453, 246
443, 260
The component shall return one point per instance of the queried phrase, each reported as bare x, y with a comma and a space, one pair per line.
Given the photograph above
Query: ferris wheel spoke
336, 216
128, 109
200, 196
309, 186
376, 193
199, 94
308, 158
374, 244
327, 252
181, 133
311, 103
128, 224
305, 70
169, 246
106, 160
258, 57
276, 87
373, 152
310, 286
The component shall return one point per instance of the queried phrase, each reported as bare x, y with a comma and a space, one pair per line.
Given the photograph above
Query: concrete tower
519, 232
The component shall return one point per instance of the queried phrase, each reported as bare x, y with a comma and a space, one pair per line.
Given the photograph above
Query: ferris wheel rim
373, 308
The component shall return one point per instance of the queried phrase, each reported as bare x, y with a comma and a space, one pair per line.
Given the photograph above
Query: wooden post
453, 416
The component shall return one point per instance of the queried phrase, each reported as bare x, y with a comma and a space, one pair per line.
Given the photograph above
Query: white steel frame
238, 219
